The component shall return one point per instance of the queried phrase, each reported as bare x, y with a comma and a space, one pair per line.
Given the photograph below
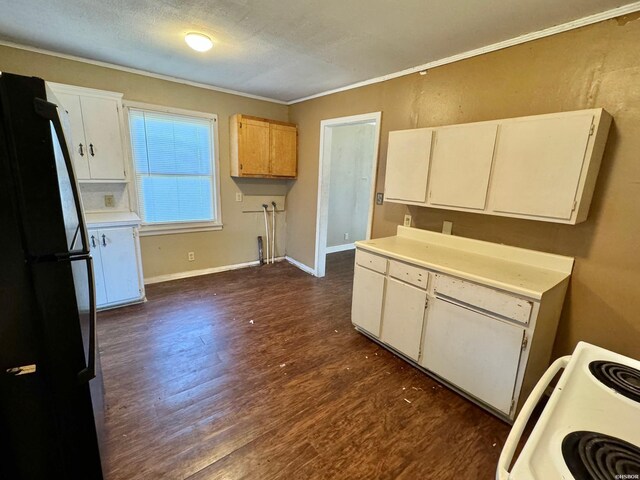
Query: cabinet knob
81, 150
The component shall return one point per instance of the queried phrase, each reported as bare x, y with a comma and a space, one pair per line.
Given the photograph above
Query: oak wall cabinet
96, 123
262, 148
542, 167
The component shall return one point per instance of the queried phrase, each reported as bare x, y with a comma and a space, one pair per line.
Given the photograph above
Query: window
174, 159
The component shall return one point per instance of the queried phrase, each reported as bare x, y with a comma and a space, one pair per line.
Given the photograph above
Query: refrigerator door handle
49, 111
89, 372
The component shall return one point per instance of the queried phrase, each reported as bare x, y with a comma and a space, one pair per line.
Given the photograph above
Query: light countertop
525, 272
111, 219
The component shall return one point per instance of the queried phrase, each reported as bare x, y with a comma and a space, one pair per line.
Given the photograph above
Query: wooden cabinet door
119, 264
461, 166
475, 352
408, 156
77, 142
403, 317
538, 165
366, 307
98, 274
253, 147
101, 119
284, 151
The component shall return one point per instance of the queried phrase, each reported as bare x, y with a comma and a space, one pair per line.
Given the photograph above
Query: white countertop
111, 219
524, 272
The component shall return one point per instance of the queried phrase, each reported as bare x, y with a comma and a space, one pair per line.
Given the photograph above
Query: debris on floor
283, 365
408, 401
251, 322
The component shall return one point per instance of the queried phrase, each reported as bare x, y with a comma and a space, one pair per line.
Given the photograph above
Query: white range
590, 427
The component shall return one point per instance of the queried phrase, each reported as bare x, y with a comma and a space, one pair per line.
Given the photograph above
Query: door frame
324, 176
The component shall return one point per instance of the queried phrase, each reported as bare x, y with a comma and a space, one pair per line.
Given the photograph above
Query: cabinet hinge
240, 166
513, 404
240, 125
426, 303
592, 129
525, 341
575, 205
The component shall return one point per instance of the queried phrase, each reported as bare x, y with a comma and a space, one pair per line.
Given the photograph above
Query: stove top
624, 379
589, 428
593, 455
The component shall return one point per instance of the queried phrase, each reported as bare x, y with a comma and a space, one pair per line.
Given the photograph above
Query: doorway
346, 183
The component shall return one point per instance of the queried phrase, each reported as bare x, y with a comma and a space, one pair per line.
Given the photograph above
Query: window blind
173, 160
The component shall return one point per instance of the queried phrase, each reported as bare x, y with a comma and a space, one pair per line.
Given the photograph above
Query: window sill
169, 229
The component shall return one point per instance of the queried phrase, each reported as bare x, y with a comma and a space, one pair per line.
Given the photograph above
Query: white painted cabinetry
481, 317
95, 118
541, 167
116, 260
408, 158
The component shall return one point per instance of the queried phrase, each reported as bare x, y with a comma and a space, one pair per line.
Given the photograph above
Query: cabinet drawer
408, 273
371, 261
485, 298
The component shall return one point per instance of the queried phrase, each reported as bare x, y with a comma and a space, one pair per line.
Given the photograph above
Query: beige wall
595, 66
165, 254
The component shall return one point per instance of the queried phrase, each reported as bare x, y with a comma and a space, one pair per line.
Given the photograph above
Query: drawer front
408, 273
371, 261
488, 299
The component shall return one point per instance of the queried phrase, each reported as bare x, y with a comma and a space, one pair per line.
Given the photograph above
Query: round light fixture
198, 41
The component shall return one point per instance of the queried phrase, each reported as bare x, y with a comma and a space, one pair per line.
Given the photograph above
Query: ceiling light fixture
198, 41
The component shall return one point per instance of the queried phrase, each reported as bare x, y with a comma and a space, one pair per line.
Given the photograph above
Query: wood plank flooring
258, 374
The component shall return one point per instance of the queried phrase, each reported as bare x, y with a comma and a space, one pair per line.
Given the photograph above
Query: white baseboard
301, 266
204, 271
340, 248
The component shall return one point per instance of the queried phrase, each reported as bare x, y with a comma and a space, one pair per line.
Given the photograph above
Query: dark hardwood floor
258, 374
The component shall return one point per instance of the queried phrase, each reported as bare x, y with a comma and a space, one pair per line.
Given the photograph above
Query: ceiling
279, 49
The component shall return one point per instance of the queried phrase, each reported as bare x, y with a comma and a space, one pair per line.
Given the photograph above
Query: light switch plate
238, 196
379, 198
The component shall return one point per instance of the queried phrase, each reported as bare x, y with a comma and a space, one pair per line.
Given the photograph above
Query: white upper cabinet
538, 165
408, 157
461, 165
96, 132
542, 167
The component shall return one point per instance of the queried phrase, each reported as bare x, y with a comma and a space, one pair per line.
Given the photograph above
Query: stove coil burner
623, 379
595, 456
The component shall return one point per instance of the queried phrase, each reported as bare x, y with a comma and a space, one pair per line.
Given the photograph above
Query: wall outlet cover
238, 196
447, 227
407, 220
379, 198
109, 201
191, 256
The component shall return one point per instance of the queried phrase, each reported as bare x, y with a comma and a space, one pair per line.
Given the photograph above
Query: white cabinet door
407, 169
538, 165
98, 274
477, 353
366, 307
104, 143
403, 317
461, 165
119, 264
77, 142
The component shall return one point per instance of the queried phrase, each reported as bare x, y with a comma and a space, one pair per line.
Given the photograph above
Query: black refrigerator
50, 383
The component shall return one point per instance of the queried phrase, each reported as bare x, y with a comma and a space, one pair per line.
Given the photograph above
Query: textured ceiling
280, 49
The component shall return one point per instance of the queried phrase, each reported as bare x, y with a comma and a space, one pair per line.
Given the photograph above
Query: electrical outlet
447, 227
191, 256
238, 196
109, 201
346, 236
407, 220
379, 198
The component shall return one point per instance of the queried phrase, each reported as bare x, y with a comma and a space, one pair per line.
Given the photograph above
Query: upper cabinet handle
91, 150
81, 150
104, 240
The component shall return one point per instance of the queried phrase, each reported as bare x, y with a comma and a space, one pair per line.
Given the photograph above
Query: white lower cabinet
368, 291
403, 317
478, 353
116, 264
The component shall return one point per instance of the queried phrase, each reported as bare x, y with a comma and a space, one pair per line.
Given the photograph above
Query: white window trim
175, 227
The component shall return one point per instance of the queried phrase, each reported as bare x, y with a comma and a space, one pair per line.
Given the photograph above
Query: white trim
324, 172
186, 227
83, 91
145, 73
300, 265
340, 248
205, 271
527, 37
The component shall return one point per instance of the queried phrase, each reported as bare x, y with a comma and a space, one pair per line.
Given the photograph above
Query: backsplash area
93, 197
